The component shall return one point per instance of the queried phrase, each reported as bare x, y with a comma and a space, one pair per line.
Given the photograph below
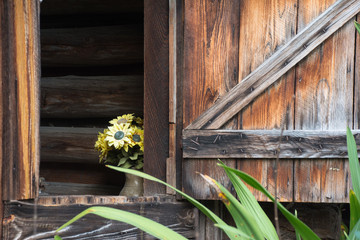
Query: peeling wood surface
92, 46
37, 221
264, 144
91, 96
357, 81
211, 63
278, 64
20, 75
324, 101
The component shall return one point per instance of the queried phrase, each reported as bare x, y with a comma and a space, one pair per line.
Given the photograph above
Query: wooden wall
92, 71
224, 42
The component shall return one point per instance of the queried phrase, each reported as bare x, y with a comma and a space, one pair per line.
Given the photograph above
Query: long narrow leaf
241, 216
305, 232
354, 209
296, 232
353, 162
355, 233
357, 26
213, 217
234, 230
251, 204
156, 229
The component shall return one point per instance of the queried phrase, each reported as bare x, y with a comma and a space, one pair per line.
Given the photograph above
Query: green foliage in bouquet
122, 143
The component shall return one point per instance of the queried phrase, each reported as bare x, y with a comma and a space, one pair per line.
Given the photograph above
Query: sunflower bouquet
122, 143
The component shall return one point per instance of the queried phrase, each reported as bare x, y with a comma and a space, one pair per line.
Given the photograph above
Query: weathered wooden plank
27, 220
156, 90
66, 144
274, 108
61, 188
211, 63
265, 143
71, 7
89, 96
92, 46
20, 77
324, 101
277, 65
80, 173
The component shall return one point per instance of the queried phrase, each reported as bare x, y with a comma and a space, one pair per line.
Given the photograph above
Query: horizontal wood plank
277, 65
66, 144
25, 220
265, 143
89, 96
61, 188
92, 46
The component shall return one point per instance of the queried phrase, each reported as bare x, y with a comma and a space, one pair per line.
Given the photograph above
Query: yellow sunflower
120, 136
139, 121
101, 145
126, 118
138, 138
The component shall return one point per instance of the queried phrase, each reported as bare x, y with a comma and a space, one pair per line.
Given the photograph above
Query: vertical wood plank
156, 90
274, 108
20, 80
324, 101
2, 14
211, 39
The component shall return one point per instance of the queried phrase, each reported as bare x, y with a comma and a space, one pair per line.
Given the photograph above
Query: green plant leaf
212, 216
134, 157
234, 230
354, 209
251, 204
353, 161
305, 232
156, 229
57, 237
355, 232
241, 216
357, 26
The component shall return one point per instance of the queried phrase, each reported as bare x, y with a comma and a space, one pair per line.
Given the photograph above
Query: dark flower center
136, 138
119, 135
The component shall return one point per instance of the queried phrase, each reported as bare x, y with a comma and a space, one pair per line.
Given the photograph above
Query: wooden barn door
264, 76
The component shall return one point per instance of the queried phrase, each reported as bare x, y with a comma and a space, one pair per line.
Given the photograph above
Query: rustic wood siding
316, 94
211, 68
20, 98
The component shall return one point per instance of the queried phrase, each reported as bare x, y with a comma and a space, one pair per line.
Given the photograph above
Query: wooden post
20, 71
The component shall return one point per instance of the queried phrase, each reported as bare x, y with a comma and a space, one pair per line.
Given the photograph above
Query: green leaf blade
353, 161
156, 229
252, 205
305, 232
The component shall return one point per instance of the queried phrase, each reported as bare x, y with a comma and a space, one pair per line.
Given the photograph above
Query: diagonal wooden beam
277, 65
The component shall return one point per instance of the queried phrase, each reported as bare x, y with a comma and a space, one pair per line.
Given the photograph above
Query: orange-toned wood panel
20, 81
211, 39
324, 101
264, 27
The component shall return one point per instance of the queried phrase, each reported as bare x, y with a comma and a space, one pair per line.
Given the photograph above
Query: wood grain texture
265, 143
92, 46
274, 107
156, 103
2, 110
20, 78
27, 220
324, 101
277, 65
66, 144
211, 39
91, 96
